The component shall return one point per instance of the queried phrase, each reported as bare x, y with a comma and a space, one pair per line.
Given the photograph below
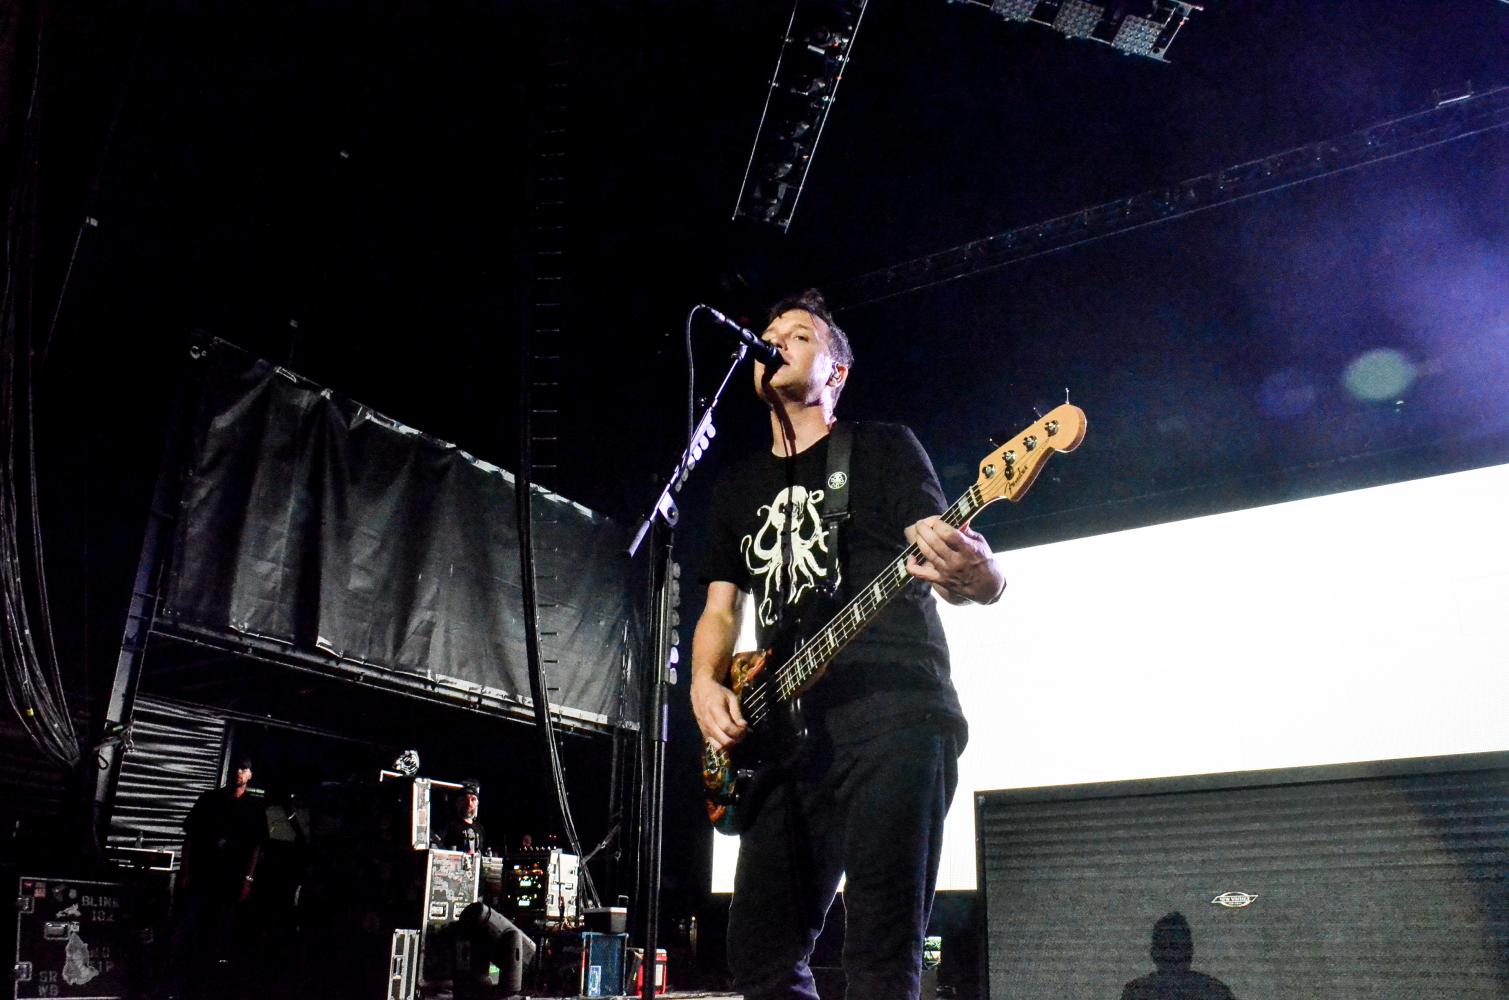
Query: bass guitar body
736, 780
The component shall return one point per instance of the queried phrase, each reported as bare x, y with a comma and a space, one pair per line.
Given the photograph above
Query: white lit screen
1367, 625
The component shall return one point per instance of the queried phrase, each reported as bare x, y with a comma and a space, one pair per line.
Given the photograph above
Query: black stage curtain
314, 522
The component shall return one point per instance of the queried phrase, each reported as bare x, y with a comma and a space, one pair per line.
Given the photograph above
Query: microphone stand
661, 672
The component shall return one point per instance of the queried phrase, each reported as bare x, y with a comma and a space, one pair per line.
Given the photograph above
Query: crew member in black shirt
462, 831
223, 838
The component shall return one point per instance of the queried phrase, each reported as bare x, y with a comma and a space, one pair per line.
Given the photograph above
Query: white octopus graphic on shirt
765, 561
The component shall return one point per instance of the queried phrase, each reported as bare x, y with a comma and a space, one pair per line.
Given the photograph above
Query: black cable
33, 681
539, 689
691, 381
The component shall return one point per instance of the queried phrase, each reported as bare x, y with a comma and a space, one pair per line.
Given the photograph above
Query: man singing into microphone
868, 797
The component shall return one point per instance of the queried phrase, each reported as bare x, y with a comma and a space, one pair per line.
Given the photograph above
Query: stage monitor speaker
1346, 882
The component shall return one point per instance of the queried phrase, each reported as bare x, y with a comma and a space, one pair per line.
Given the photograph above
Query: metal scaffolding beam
1451, 119
814, 54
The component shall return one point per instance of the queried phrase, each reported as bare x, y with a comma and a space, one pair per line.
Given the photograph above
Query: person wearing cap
463, 831
223, 838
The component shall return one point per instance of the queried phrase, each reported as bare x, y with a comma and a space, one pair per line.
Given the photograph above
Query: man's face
802, 339
466, 805
243, 777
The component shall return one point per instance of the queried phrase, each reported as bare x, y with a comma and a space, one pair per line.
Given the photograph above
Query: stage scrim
312, 524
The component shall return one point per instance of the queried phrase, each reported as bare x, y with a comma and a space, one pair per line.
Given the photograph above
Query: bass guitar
770, 682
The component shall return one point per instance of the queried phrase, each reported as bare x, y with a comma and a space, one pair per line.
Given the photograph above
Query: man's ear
839, 373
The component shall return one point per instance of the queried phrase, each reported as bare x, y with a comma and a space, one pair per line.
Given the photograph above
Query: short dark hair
812, 302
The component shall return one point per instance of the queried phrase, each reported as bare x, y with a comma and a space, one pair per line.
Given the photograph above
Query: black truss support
1451, 119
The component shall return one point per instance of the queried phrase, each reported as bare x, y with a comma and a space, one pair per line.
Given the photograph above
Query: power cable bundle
28, 653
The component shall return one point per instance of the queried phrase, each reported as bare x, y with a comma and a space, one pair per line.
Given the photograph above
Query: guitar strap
836, 497
835, 513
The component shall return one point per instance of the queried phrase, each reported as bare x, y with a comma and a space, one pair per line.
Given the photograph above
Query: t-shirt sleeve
723, 561
915, 492
199, 816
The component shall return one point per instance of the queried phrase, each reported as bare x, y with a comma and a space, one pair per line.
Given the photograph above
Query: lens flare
1379, 374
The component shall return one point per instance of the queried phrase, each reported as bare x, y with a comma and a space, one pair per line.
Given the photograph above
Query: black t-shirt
457, 835
897, 669
221, 832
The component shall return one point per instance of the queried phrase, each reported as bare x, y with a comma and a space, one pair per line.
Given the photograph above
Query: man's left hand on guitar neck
957, 562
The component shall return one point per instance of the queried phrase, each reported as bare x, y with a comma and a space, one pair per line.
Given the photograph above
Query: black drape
315, 522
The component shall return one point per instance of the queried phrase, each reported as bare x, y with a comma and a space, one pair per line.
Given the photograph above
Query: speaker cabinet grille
1366, 881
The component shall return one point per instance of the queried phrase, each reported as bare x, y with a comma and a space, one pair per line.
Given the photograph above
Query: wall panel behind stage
1356, 626
1362, 881
317, 525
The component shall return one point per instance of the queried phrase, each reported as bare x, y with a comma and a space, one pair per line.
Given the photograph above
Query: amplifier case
603, 957
451, 882
84, 939
403, 965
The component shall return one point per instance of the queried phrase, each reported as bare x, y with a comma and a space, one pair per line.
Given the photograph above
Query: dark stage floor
673, 995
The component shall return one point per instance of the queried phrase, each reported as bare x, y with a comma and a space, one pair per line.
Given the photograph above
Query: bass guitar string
790, 676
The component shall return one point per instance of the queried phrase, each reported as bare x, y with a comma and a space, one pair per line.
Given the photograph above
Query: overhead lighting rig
813, 55
1455, 116
1147, 34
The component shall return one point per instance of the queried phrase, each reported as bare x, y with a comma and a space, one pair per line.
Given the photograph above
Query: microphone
765, 353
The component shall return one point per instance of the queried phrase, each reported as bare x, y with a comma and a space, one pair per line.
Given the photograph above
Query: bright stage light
1137, 35
1014, 10
1077, 19
1148, 34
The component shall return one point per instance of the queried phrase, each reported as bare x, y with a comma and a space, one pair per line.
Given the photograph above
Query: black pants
872, 812
209, 928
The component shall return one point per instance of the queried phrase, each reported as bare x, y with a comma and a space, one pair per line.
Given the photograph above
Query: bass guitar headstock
1009, 471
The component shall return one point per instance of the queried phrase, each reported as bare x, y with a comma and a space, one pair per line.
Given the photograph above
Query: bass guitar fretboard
807, 663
